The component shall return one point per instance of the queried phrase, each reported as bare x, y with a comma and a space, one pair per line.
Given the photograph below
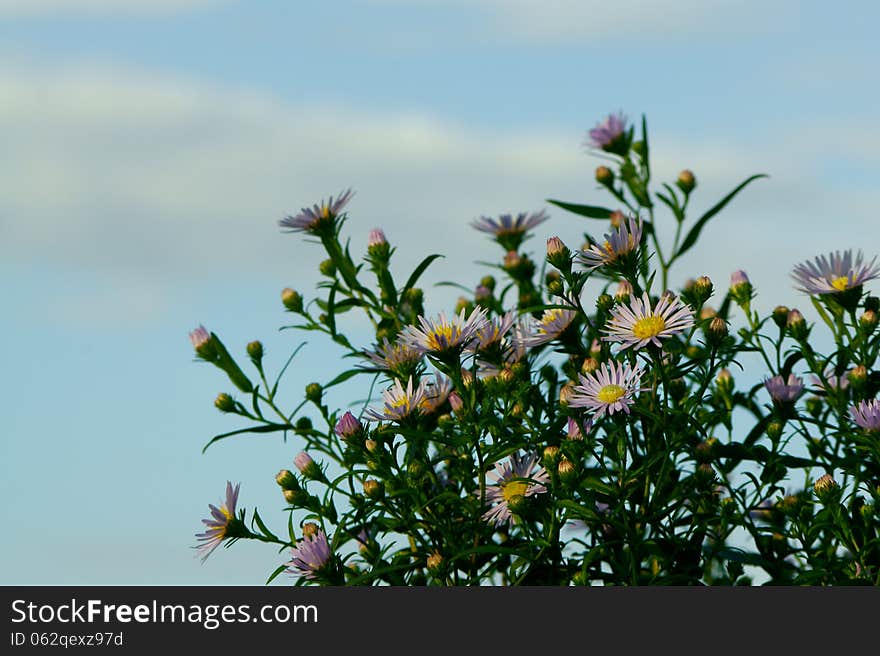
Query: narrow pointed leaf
590, 211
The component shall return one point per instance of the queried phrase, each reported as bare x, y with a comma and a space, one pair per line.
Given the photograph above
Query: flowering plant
541, 434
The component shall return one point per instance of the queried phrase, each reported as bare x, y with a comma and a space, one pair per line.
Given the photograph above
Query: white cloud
155, 180
13, 8
553, 21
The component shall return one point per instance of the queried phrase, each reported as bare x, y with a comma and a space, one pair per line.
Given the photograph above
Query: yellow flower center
441, 338
610, 393
514, 488
649, 326
840, 284
325, 212
402, 402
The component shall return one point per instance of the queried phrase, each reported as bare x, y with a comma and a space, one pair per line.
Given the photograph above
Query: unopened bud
825, 487
596, 348
558, 254
224, 403
872, 303
702, 289
686, 181
455, 401
604, 176
308, 467
868, 321
348, 426
371, 445
555, 288
377, 245
617, 218
567, 471
303, 424
797, 325
291, 299
551, 455
488, 281
774, 430
310, 529
314, 391
707, 312
463, 304
434, 562
780, 315
589, 365
255, 350
287, 480
605, 302
624, 292
858, 376
724, 381
482, 293
374, 489
740, 287
565, 393
717, 330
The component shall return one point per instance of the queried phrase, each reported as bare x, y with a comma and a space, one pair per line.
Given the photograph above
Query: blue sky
151, 146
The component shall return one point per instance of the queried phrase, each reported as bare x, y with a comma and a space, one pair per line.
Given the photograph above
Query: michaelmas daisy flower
835, 273
513, 481
639, 324
609, 389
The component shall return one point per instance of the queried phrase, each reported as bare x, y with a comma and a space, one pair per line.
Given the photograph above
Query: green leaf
419, 270
274, 574
345, 375
284, 368
262, 526
590, 211
268, 428
694, 233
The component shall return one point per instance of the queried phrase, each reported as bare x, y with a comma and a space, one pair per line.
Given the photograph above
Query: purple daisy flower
436, 393
491, 331
312, 218
309, 555
835, 273
219, 523
620, 242
639, 325
442, 335
513, 480
551, 325
608, 132
507, 224
399, 356
867, 414
399, 402
784, 391
609, 389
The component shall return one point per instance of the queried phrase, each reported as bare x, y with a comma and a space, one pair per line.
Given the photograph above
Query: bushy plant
543, 435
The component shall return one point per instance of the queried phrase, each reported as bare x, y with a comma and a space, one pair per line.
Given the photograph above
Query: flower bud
314, 391
255, 350
617, 218
224, 403
296, 497
589, 365
575, 430
825, 487
604, 176
814, 406
717, 330
551, 455
287, 480
555, 288
374, 489
868, 321
303, 424
605, 302
707, 312
724, 381
291, 299
463, 304
204, 344
797, 325
455, 402
482, 293
702, 289
774, 430
565, 393
567, 471
328, 268
686, 181
377, 245
348, 426
780, 315
624, 292
371, 445
705, 474
308, 467
858, 376
740, 287
558, 254
488, 281
310, 529
511, 260
704, 451
596, 348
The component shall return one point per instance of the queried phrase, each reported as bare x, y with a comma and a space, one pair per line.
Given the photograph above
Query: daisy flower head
435, 392
441, 335
619, 243
491, 332
640, 324
222, 524
867, 415
399, 357
835, 273
610, 135
784, 390
310, 555
509, 230
609, 389
319, 218
399, 402
518, 478
551, 325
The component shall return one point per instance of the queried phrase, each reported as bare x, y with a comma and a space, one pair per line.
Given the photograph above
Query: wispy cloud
123, 174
